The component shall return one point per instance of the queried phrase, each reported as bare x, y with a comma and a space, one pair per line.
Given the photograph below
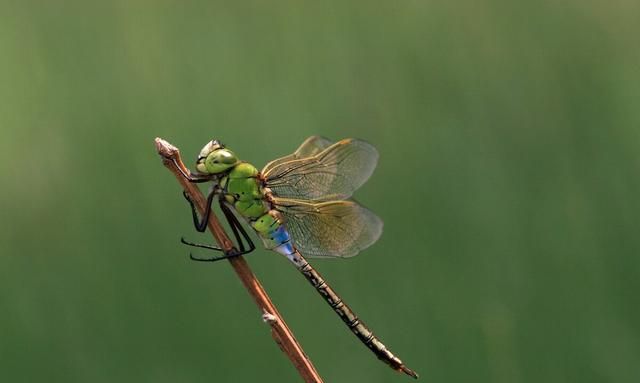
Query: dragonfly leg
230, 254
227, 254
235, 227
200, 245
200, 224
231, 220
190, 177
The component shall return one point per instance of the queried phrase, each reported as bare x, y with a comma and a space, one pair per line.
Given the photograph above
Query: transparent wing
310, 147
332, 174
330, 228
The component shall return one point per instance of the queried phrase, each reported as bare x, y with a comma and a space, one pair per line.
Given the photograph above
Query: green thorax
243, 190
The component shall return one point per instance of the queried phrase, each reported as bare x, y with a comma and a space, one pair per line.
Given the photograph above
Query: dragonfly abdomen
276, 237
347, 315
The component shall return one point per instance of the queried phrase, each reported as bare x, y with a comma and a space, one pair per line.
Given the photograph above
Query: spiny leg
233, 252
235, 227
232, 223
227, 254
190, 177
230, 254
246, 236
200, 225
200, 245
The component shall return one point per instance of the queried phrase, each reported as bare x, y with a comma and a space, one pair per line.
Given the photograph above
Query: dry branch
279, 329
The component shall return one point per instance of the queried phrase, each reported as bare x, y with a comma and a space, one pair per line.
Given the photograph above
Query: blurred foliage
508, 182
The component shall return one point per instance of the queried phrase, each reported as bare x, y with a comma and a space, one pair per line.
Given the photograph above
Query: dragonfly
298, 204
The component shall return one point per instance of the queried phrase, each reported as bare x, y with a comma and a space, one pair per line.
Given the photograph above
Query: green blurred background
508, 182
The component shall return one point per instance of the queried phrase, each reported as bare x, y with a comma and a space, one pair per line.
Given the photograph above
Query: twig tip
165, 149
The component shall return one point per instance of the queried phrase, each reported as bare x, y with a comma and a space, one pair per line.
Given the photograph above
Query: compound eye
220, 160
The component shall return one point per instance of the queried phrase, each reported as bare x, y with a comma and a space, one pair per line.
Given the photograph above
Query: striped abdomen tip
408, 371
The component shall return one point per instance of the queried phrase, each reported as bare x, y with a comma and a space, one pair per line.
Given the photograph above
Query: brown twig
279, 329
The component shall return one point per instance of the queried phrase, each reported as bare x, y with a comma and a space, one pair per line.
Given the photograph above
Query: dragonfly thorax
242, 188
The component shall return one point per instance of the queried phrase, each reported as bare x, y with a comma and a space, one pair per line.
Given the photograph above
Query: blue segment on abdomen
279, 241
286, 249
280, 235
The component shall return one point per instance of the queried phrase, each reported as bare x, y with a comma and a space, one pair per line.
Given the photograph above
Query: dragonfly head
214, 158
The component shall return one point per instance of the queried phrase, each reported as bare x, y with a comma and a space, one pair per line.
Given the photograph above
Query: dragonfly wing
332, 174
310, 147
329, 228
